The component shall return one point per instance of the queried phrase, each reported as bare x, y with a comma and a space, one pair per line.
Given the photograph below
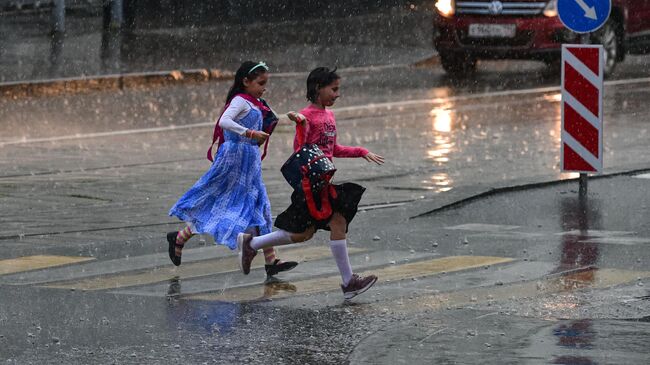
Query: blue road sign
584, 16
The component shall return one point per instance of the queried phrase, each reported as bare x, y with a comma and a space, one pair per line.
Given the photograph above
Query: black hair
243, 72
318, 78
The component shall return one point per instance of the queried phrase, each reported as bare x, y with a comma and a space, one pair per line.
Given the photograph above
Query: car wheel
458, 65
609, 37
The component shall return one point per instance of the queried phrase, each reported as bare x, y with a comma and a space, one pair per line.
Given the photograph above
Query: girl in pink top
296, 223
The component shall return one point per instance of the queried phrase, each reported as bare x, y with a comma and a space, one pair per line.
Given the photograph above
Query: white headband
261, 64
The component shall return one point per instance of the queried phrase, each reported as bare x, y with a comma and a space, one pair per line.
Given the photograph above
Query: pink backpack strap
217, 135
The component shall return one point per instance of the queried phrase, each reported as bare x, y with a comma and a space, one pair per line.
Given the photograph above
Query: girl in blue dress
230, 198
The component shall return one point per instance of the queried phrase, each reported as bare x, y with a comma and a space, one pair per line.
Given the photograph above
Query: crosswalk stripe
482, 227
36, 262
329, 283
360, 260
186, 271
591, 278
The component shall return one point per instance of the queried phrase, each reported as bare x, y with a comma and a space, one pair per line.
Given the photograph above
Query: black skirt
296, 218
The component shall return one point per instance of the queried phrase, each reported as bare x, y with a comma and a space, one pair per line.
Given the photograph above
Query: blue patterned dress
231, 196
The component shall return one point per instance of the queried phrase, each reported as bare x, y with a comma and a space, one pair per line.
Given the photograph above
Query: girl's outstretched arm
373, 157
348, 151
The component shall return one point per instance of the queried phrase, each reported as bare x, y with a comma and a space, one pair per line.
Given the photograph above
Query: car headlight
446, 8
551, 9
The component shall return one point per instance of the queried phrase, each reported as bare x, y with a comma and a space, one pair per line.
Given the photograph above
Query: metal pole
58, 16
584, 178
117, 13
56, 51
582, 192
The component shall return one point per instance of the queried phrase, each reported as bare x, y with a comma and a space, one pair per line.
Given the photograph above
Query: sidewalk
573, 267
29, 53
588, 272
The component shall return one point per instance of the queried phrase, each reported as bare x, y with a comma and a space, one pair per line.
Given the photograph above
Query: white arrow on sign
590, 12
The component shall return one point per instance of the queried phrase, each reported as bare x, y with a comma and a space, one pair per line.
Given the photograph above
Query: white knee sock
277, 238
340, 252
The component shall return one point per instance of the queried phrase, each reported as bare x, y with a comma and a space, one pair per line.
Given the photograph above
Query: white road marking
480, 227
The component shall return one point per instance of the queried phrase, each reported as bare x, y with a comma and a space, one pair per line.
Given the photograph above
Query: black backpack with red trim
310, 171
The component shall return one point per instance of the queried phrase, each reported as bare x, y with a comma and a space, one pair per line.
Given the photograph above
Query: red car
530, 29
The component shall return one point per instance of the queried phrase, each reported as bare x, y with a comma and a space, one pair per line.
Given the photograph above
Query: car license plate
492, 30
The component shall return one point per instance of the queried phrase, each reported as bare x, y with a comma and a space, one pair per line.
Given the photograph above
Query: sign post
582, 90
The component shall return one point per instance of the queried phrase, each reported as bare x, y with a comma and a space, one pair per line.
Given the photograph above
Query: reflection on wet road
489, 278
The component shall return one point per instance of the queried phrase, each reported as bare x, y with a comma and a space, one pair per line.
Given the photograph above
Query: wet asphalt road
455, 283
531, 276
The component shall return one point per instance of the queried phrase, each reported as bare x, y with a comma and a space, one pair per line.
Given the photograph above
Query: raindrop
376, 238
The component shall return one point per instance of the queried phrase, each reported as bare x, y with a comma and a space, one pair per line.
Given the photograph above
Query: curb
73, 85
110, 82
513, 188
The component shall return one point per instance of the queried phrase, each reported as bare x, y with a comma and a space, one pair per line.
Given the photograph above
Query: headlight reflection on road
442, 119
441, 122
556, 132
569, 175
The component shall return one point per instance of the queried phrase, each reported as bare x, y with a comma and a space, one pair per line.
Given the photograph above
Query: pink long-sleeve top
321, 130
